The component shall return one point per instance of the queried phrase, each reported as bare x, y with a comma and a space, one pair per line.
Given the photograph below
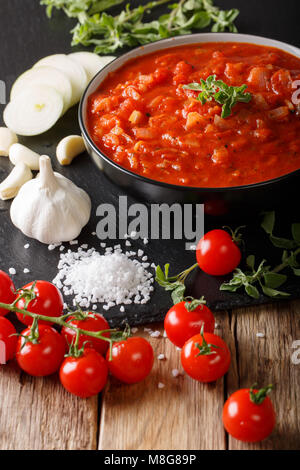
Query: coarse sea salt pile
112, 278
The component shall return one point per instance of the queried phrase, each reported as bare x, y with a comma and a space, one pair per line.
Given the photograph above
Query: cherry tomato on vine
248, 415
7, 291
205, 357
8, 339
132, 360
217, 254
86, 375
181, 324
48, 301
44, 355
91, 322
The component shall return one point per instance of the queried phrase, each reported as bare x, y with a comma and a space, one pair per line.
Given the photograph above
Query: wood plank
183, 415
268, 360
38, 414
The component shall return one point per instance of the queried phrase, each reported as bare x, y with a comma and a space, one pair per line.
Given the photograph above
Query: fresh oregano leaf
178, 294
274, 280
296, 233
268, 222
250, 261
273, 292
252, 291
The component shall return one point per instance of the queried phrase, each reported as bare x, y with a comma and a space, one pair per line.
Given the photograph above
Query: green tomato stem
58, 321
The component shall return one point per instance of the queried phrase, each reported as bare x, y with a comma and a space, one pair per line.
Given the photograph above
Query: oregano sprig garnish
176, 284
263, 276
226, 95
108, 33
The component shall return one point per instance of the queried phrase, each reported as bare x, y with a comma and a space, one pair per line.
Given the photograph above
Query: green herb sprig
176, 284
109, 33
226, 95
265, 277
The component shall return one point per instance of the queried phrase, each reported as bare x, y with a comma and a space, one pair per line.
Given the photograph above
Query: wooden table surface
186, 415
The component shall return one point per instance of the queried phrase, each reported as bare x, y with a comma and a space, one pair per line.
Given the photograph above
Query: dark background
26, 35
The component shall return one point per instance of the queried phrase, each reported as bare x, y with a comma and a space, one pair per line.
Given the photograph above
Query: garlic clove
7, 139
10, 187
20, 153
69, 148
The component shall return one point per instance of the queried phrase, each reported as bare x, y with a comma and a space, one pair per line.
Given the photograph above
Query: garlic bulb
50, 208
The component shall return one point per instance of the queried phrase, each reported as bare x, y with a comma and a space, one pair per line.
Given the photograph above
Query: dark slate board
26, 35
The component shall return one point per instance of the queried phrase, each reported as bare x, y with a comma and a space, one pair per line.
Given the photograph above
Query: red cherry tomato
205, 367
43, 357
8, 340
132, 360
248, 421
217, 254
86, 375
48, 301
94, 322
181, 324
7, 291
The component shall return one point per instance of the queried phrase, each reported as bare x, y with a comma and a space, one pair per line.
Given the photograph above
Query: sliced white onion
34, 111
74, 71
92, 63
44, 75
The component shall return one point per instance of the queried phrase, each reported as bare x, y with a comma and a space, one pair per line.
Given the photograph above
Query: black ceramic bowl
218, 201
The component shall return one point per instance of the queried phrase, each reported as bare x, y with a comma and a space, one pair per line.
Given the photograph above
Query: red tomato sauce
144, 120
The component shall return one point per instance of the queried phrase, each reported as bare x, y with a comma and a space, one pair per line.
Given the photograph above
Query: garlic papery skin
20, 153
50, 208
19, 175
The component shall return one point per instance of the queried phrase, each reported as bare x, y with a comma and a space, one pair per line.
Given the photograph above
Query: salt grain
161, 357
175, 372
134, 330
260, 335
26, 246
12, 271
26, 271
161, 385
155, 334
